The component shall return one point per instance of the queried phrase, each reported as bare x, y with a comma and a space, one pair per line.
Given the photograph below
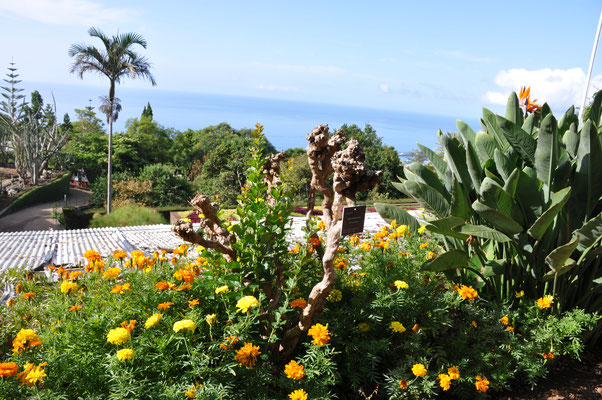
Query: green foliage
54, 190
514, 199
128, 215
168, 187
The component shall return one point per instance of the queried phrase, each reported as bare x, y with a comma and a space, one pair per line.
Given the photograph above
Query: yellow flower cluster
222, 289
125, 354
246, 302
482, 384
335, 296
25, 339
467, 292
186, 325
397, 326
69, 287
118, 336
32, 374
419, 369
153, 320
401, 285
210, 319
545, 301
112, 273
298, 394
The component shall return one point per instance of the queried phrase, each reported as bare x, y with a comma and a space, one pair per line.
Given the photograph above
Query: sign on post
353, 220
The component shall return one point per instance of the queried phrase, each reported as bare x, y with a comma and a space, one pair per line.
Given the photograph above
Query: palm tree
116, 61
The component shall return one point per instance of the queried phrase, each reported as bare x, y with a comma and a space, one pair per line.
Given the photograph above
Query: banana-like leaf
512, 182
482, 231
529, 124
428, 177
494, 196
494, 130
528, 195
562, 175
546, 154
494, 268
466, 131
595, 108
588, 174
589, 233
428, 198
460, 205
503, 165
567, 120
549, 276
545, 111
501, 221
449, 260
520, 140
557, 201
435, 159
571, 140
474, 166
456, 158
557, 257
390, 212
445, 226
399, 186
513, 110
485, 145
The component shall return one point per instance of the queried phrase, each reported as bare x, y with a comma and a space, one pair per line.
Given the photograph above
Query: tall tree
116, 60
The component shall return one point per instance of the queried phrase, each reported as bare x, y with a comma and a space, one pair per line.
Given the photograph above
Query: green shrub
168, 187
128, 215
54, 190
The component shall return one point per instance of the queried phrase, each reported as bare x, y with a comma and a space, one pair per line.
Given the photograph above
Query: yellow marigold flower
393, 224
321, 225
11, 302
32, 374
69, 287
119, 255
520, 294
301, 303
419, 369
504, 320
430, 255
293, 370
118, 336
401, 285
319, 333
363, 327
125, 354
153, 320
165, 306
298, 394
246, 302
422, 229
340, 263
184, 325
121, 288
25, 339
424, 245
8, 369
111, 273
296, 249
510, 328
190, 392
366, 246
92, 255
474, 324
29, 295
192, 303
402, 229
354, 241
222, 289
403, 384
467, 292
444, 381
137, 253
335, 296
453, 372
545, 301
397, 326
210, 319
482, 384
247, 355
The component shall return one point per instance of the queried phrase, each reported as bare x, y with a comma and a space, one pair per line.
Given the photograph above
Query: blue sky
435, 57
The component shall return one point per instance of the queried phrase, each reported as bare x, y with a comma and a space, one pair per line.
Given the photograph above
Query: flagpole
591, 67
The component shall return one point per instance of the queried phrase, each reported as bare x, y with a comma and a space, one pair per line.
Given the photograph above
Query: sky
433, 57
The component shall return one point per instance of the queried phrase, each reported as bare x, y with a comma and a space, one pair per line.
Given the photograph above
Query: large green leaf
588, 173
494, 130
567, 120
474, 166
455, 155
520, 140
571, 140
482, 231
563, 269
557, 201
428, 177
460, 205
390, 212
399, 186
494, 196
528, 194
513, 110
512, 182
466, 131
428, 198
435, 159
557, 257
546, 154
495, 267
595, 108
449, 260
445, 226
485, 145
529, 124
503, 165
589, 233
501, 221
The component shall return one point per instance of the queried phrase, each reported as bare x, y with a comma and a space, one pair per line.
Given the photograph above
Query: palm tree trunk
109, 167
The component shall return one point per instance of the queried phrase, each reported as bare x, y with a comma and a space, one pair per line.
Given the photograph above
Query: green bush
128, 215
168, 187
54, 190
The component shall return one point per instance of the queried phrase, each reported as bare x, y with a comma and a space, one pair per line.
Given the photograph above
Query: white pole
591, 67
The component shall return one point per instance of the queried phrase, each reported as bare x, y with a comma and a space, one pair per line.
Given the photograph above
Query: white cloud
560, 88
384, 87
65, 12
314, 69
458, 55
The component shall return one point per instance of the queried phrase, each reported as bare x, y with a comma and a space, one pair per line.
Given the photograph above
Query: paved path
39, 217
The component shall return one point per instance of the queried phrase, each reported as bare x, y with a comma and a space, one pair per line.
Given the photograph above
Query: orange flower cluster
165, 286
25, 339
320, 334
95, 262
165, 306
230, 343
467, 292
247, 355
8, 369
293, 370
121, 288
129, 325
526, 103
301, 303
482, 384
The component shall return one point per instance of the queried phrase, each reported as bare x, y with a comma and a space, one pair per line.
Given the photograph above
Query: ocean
286, 123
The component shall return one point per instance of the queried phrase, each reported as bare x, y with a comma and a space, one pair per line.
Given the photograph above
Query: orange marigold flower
119, 255
403, 384
510, 328
8, 369
321, 225
482, 384
467, 292
419, 369
11, 302
19, 288
247, 355
453, 372
319, 333
314, 241
185, 286
162, 285
137, 253
293, 370
296, 249
92, 255
129, 325
31, 374
190, 392
548, 355
444, 381
415, 328
75, 308
111, 273
74, 275
184, 274
121, 288
193, 303
25, 339
298, 394
231, 342
354, 241
504, 320
545, 301
301, 303
165, 306
29, 295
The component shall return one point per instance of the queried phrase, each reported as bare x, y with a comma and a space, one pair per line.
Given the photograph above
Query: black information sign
353, 219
